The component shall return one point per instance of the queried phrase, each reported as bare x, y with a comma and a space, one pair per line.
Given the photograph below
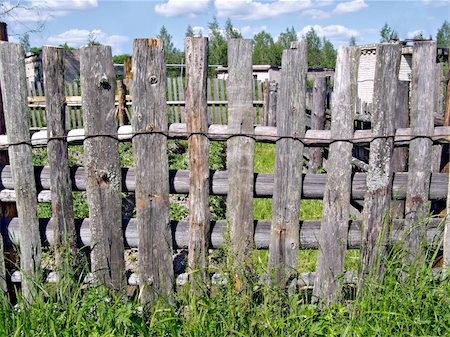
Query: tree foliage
264, 49
189, 32
120, 59
217, 43
443, 35
314, 44
24, 41
352, 41
387, 33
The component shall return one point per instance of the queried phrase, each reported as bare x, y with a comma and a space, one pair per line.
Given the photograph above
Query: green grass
414, 305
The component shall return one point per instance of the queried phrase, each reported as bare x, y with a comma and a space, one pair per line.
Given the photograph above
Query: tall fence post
420, 147
149, 123
14, 93
64, 233
376, 217
400, 156
336, 199
196, 50
103, 183
5, 208
284, 234
240, 149
319, 97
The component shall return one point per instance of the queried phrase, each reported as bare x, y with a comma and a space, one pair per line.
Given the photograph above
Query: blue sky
118, 22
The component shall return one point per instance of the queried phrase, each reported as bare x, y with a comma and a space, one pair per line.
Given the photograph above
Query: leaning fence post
149, 124
14, 93
284, 233
196, 50
336, 199
377, 201
240, 149
420, 147
103, 183
65, 236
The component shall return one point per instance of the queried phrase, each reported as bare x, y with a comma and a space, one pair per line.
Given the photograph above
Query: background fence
153, 232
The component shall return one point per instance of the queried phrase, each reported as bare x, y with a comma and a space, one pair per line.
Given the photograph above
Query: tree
189, 32
217, 44
328, 54
166, 39
264, 49
352, 41
387, 34
24, 41
286, 38
120, 59
66, 47
419, 36
443, 35
231, 32
314, 45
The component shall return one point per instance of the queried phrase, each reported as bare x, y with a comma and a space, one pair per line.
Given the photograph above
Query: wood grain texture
317, 120
284, 237
421, 118
376, 217
240, 149
58, 159
309, 233
336, 200
400, 156
196, 50
103, 182
152, 170
13, 84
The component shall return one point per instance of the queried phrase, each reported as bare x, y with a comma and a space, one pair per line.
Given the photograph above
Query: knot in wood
153, 80
103, 176
103, 83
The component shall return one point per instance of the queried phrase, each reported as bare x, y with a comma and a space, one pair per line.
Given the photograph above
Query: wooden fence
153, 232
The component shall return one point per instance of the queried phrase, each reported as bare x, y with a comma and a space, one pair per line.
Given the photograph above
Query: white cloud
350, 6
42, 10
79, 37
257, 10
414, 33
337, 34
199, 30
182, 8
249, 31
316, 13
437, 3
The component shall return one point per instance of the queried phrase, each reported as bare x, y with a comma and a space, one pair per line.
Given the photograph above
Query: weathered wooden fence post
270, 103
103, 183
420, 147
65, 236
317, 120
121, 106
149, 124
4, 160
378, 198
15, 104
240, 149
284, 233
400, 156
196, 50
336, 199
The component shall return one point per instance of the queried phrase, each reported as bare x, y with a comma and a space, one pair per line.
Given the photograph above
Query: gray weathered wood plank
15, 105
103, 183
284, 236
196, 50
58, 159
240, 149
336, 200
152, 170
421, 119
317, 120
400, 156
376, 217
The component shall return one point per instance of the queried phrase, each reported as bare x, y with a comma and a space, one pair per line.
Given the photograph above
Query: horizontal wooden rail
305, 279
313, 184
403, 136
309, 233
39, 101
